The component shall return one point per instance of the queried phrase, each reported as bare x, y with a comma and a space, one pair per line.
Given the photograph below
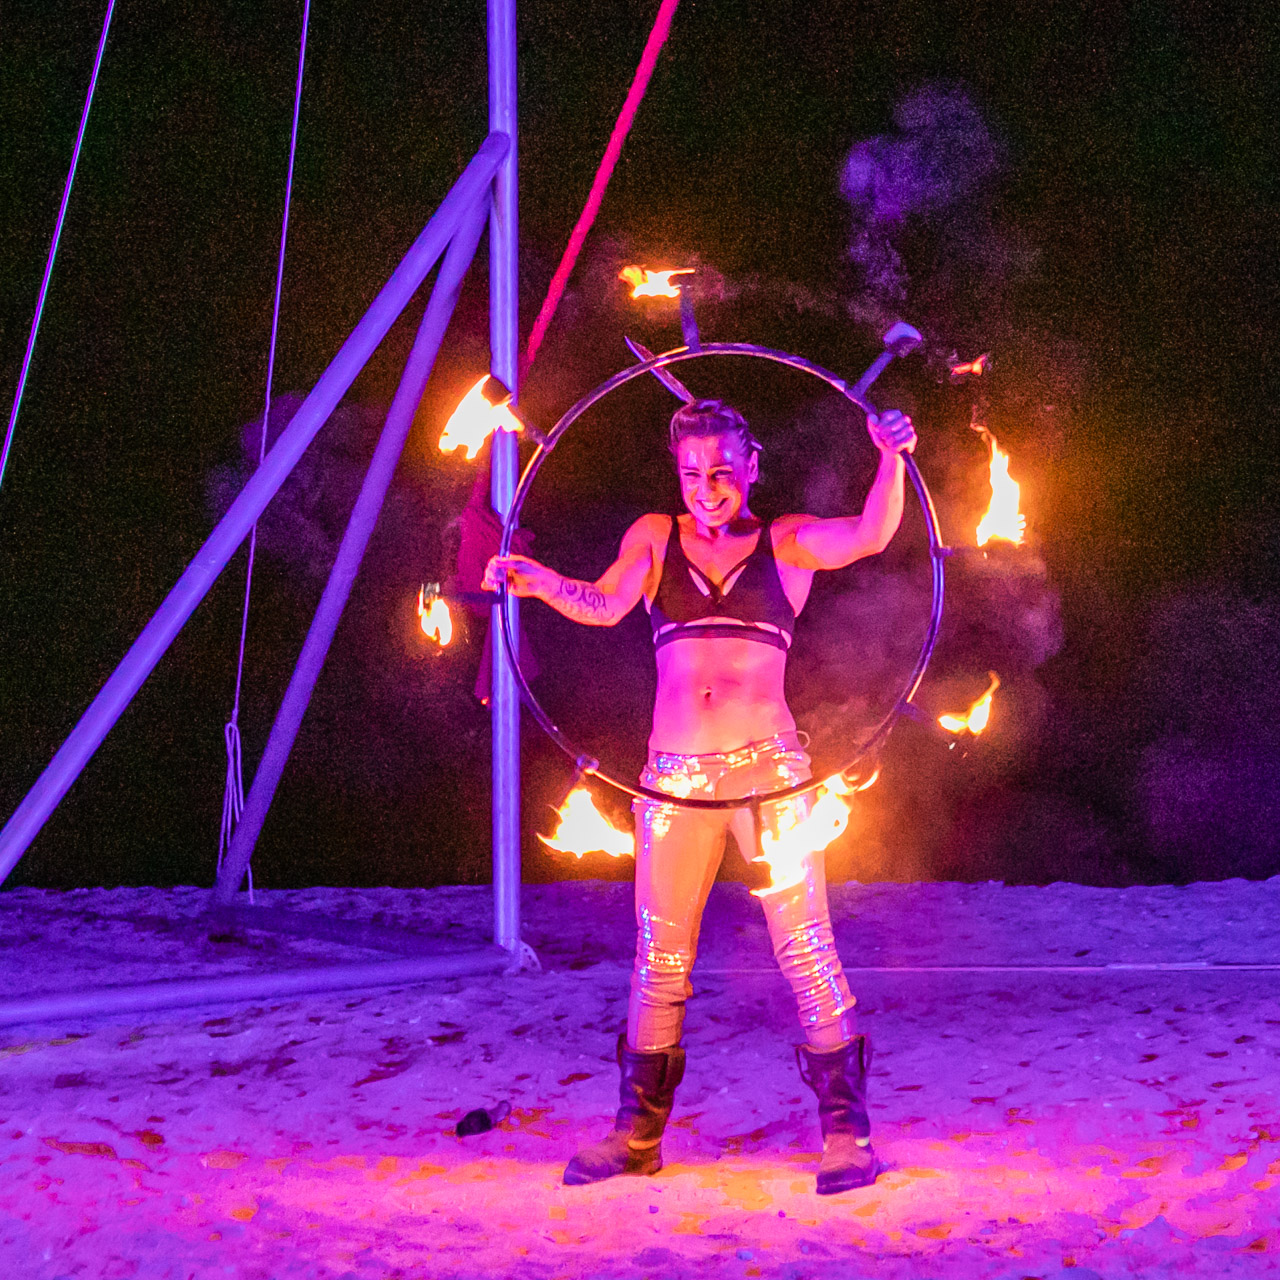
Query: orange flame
584, 829
434, 617
971, 368
978, 716
475, 420
653, 284
1002, 519
796, 841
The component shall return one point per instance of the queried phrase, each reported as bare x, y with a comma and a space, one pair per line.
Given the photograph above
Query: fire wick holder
689, 321
584, 767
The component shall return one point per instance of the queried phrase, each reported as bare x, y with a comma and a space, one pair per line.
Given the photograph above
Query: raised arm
597, 604
810, 543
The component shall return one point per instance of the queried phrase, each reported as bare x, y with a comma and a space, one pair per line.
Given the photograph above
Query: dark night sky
1140, 175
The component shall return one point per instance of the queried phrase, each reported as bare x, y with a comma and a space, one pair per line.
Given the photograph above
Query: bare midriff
718, 694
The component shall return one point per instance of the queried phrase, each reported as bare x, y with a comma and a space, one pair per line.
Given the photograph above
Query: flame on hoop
584, 829
434, 617
1002, 519
787, 852
976, 719
475, 420
653, 284
970, 368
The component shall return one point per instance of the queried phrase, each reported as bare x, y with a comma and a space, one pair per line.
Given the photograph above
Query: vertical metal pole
504, 345
364, 516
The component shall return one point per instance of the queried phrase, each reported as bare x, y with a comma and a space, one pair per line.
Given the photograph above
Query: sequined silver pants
678, 852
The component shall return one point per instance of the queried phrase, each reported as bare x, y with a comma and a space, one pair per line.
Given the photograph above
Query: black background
1140, 171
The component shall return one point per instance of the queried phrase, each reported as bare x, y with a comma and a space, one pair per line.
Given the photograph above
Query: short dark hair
700, 418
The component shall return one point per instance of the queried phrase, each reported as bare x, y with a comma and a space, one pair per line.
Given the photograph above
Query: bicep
627, 578
811, 543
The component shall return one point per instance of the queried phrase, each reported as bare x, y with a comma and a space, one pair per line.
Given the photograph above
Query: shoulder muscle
648, 531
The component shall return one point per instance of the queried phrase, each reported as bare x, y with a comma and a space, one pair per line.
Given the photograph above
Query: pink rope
648, 60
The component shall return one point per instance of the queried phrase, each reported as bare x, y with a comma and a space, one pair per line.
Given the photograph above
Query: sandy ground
1106, 1122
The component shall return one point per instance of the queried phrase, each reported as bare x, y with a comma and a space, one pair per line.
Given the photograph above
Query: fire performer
723, 590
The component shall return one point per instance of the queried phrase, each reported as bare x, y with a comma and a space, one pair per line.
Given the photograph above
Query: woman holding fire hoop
723, 590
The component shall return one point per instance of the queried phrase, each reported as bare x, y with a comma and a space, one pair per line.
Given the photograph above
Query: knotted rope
233, 794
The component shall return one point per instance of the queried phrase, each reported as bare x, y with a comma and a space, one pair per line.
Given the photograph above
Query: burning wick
433, 615
971, 369
978, 716
786, 853
477, 417
1002, 519
584, 829
653, 284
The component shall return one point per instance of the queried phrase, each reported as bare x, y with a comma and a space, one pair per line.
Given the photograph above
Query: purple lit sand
1113, 1124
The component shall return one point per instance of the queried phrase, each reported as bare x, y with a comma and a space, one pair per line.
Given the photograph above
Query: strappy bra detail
749, 604
723, 631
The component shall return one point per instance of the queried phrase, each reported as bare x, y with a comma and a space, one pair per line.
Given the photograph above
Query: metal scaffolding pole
65, 767
275, 984
504, 349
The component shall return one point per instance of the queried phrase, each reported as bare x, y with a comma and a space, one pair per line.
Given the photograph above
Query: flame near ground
788, 849
581, 829
787, 842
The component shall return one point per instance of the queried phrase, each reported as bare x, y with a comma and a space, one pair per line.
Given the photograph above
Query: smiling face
716, 473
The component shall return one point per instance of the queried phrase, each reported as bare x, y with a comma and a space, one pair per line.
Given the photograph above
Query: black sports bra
750, 599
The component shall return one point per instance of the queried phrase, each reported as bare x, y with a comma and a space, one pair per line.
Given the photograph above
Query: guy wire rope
233, 793
587, 764
53, 247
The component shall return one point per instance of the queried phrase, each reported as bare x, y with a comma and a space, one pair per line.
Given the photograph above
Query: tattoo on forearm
581, 601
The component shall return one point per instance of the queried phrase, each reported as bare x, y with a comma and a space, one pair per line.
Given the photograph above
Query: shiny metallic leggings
678, 853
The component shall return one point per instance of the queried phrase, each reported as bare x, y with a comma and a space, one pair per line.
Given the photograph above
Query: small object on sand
481, 1121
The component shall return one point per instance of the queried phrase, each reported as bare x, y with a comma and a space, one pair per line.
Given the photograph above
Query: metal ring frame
588, 765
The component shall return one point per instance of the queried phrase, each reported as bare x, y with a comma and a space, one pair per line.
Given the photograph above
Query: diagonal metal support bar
469, 193
364, 516
317, 925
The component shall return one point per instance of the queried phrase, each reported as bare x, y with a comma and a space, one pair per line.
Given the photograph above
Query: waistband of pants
671, 761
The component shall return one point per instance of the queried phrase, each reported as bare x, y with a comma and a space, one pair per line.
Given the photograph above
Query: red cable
648, 60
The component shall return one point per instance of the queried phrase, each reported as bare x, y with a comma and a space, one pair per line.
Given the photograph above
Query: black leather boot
647, 1091
839, 1078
